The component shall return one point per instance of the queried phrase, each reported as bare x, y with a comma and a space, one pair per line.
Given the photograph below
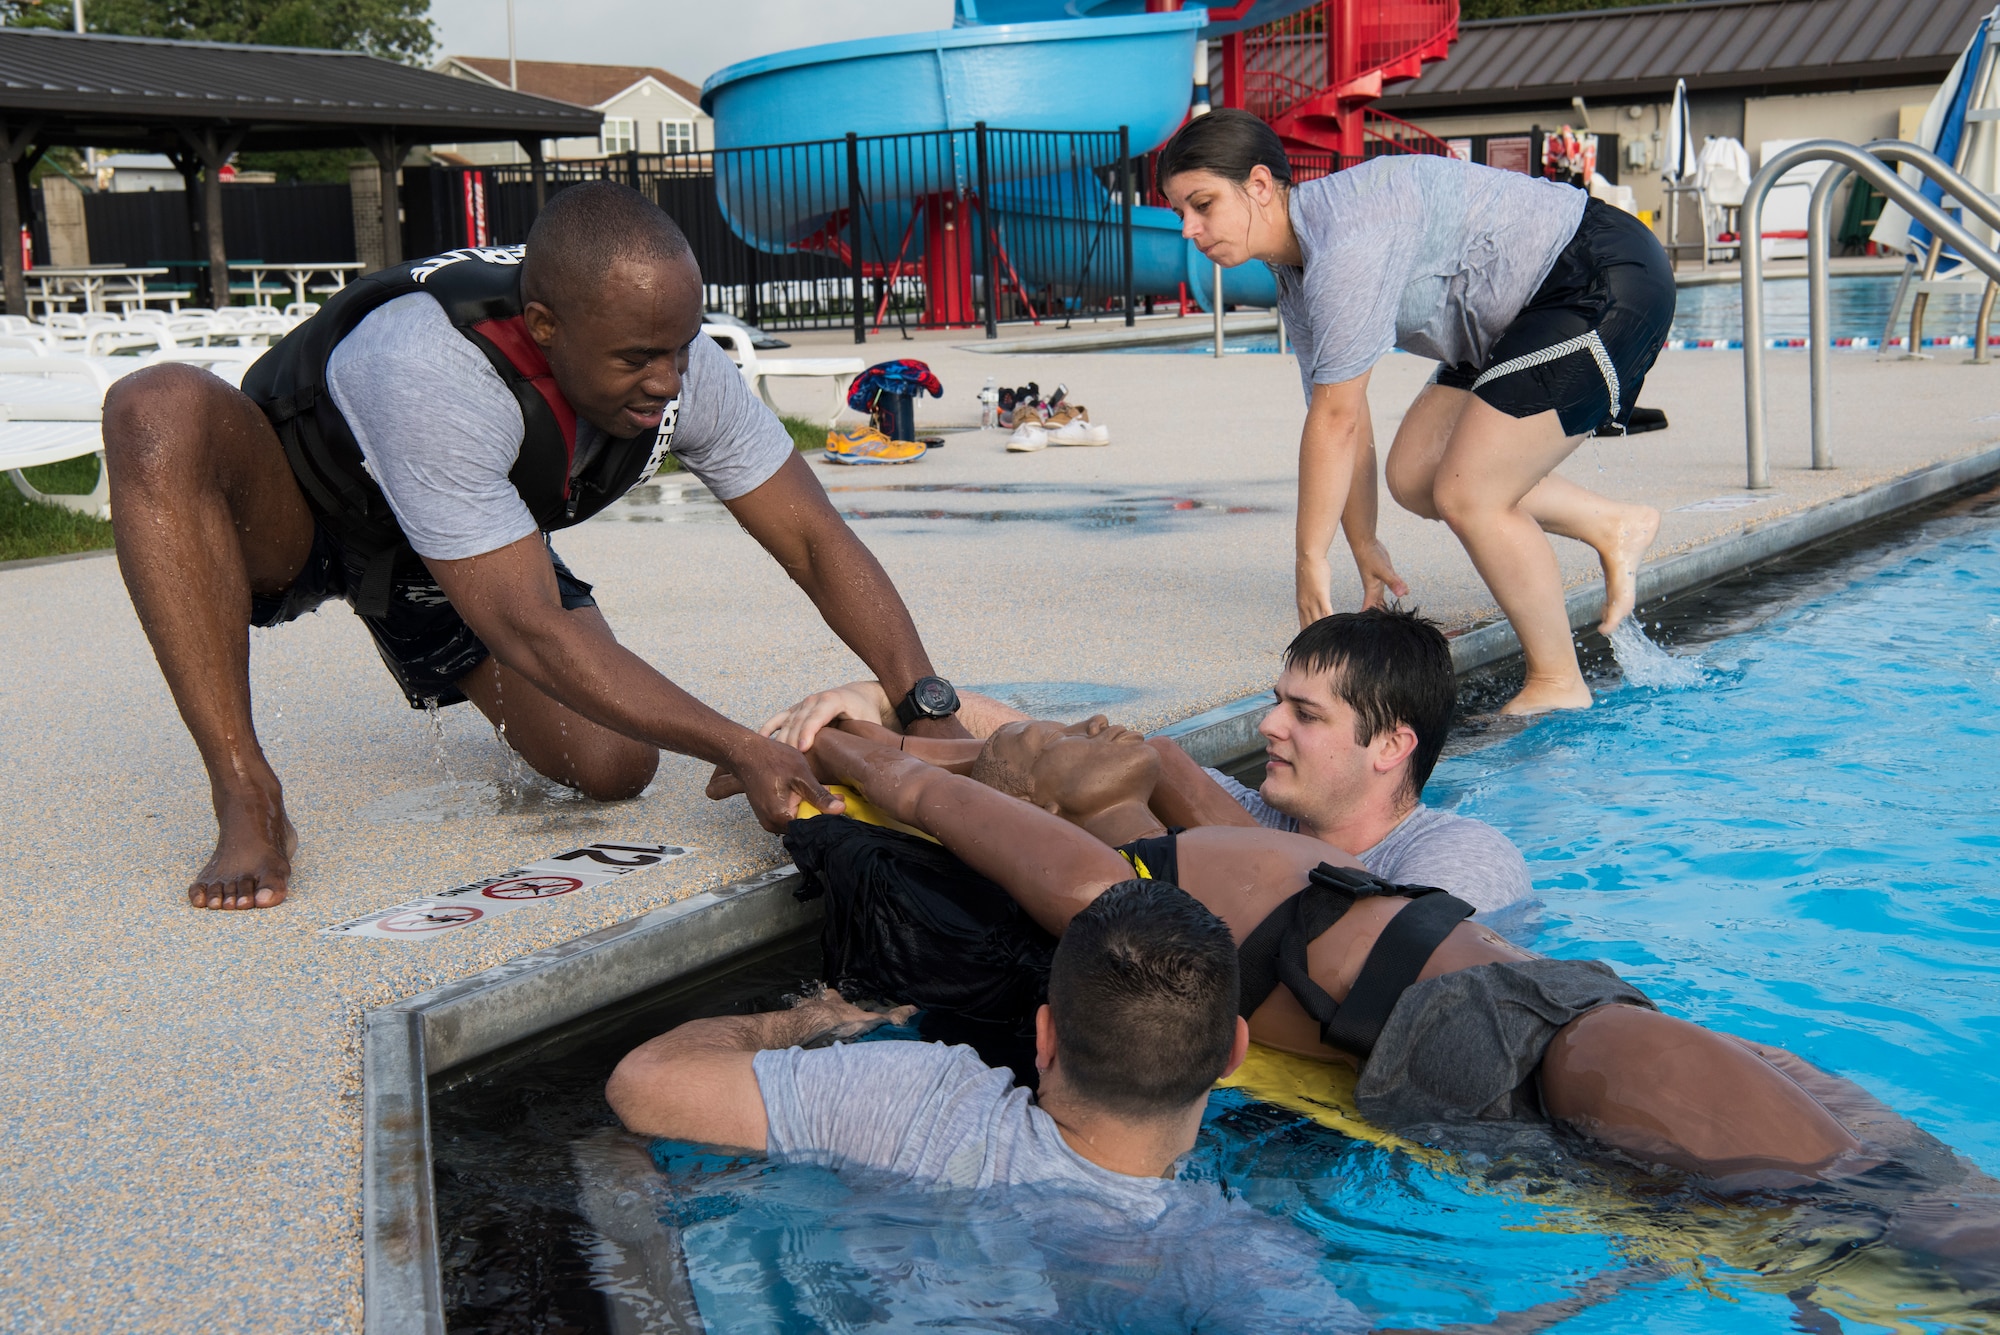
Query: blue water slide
1064, 71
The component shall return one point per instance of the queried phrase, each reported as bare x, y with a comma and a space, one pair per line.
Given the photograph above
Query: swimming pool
1714, 311
1801, 849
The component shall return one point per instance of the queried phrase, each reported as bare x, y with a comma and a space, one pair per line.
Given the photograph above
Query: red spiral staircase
1314, 75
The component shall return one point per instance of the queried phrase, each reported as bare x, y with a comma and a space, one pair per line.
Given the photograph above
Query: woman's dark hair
1227, 142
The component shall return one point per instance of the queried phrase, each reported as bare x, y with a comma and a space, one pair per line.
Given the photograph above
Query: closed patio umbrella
1677, 163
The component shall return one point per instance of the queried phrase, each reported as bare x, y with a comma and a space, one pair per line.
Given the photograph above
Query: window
616, 136
677, 136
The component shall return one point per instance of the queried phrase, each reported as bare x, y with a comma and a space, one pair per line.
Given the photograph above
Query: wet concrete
180, 1090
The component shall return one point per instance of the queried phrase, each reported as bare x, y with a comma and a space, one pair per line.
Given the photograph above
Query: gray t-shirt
1432, 255
1458, 854
439, 430
1063, 1244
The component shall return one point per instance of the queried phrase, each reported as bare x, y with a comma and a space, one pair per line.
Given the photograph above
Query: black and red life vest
480, 290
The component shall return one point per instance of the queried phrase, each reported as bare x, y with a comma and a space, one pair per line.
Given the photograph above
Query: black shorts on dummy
907, 922
1584, 342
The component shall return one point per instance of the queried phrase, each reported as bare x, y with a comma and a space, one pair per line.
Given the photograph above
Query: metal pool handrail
1819, 244
1866, 162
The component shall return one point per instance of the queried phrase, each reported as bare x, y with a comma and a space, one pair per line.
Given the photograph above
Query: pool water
1860, 308
1801, 849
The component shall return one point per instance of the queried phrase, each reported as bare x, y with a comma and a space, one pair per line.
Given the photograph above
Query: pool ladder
1869, 161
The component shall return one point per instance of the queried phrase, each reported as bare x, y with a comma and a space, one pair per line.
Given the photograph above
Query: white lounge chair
52, 409
756, 370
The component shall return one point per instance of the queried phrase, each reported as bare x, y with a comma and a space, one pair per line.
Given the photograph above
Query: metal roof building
1633, 54
201, 102
1758, 71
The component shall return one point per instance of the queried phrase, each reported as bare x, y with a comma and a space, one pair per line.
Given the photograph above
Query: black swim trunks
1584, 342
907, 922
424, 642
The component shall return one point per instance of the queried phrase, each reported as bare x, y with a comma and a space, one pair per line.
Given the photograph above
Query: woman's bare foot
1621, 550
1538, 696
251, 867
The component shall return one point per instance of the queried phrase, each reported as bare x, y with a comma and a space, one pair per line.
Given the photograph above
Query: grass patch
30, 529
805, 435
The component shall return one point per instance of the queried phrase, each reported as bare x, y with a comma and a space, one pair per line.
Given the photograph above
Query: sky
691, 38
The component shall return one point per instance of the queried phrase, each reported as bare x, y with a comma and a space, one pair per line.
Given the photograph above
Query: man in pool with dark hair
408, 449
1141, 1020
1364, 703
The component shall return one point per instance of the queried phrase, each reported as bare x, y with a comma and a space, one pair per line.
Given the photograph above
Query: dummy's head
1142, 1000
1364, 703
614, 300
1074, 771
1226, 175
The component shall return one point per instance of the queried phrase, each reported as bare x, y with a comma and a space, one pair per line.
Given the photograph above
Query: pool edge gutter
406, 1042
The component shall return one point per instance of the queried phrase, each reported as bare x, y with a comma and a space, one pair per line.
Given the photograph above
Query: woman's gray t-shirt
1430, 254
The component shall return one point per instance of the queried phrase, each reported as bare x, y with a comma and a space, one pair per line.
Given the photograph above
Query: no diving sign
538, 882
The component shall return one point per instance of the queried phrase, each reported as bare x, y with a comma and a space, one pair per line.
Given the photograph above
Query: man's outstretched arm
698, 1082
790, 517
1051, 868
510, 600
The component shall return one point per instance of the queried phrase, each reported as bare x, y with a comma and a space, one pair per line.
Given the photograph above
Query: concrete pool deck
181, 1090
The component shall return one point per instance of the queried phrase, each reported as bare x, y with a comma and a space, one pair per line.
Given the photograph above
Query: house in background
1758, 71
645, 110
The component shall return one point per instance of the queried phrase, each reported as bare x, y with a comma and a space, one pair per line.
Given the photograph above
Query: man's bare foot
251, 867
1621, 551
1542, 697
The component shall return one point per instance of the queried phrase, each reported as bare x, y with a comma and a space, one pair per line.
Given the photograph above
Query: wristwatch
931, 697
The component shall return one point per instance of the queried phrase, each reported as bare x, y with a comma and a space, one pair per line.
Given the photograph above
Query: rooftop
1629, 53
571, 81
122, 91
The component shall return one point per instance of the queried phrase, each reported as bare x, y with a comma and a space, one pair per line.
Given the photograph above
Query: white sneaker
1078, 430
1027, 438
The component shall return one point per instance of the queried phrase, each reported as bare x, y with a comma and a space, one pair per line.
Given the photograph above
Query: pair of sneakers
866, 445
1069, 424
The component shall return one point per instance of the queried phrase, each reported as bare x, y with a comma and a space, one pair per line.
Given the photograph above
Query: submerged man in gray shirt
1141, 1020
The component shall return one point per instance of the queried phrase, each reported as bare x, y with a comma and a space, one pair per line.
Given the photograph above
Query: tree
397, 29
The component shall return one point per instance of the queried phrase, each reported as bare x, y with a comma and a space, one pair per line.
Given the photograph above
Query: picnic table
296, 274
60, 285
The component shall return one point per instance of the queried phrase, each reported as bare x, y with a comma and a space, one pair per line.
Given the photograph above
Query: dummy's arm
1185, 796
1052, 868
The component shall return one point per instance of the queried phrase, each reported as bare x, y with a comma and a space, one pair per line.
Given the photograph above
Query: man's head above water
1141, 1017
1363, 706
614, 300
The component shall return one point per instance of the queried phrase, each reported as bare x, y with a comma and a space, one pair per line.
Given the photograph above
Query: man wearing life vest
409, 449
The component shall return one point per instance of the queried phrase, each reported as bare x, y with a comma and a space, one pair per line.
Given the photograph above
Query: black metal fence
276, 224
950, 229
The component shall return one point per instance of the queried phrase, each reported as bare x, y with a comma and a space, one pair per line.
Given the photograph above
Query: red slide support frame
1314, 74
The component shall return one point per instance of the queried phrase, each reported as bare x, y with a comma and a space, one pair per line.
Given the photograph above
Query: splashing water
439, 757
1647, 664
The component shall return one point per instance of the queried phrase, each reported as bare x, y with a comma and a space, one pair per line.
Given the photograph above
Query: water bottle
989, 403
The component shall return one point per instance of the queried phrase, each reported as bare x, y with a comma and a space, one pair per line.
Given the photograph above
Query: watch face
934, 695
